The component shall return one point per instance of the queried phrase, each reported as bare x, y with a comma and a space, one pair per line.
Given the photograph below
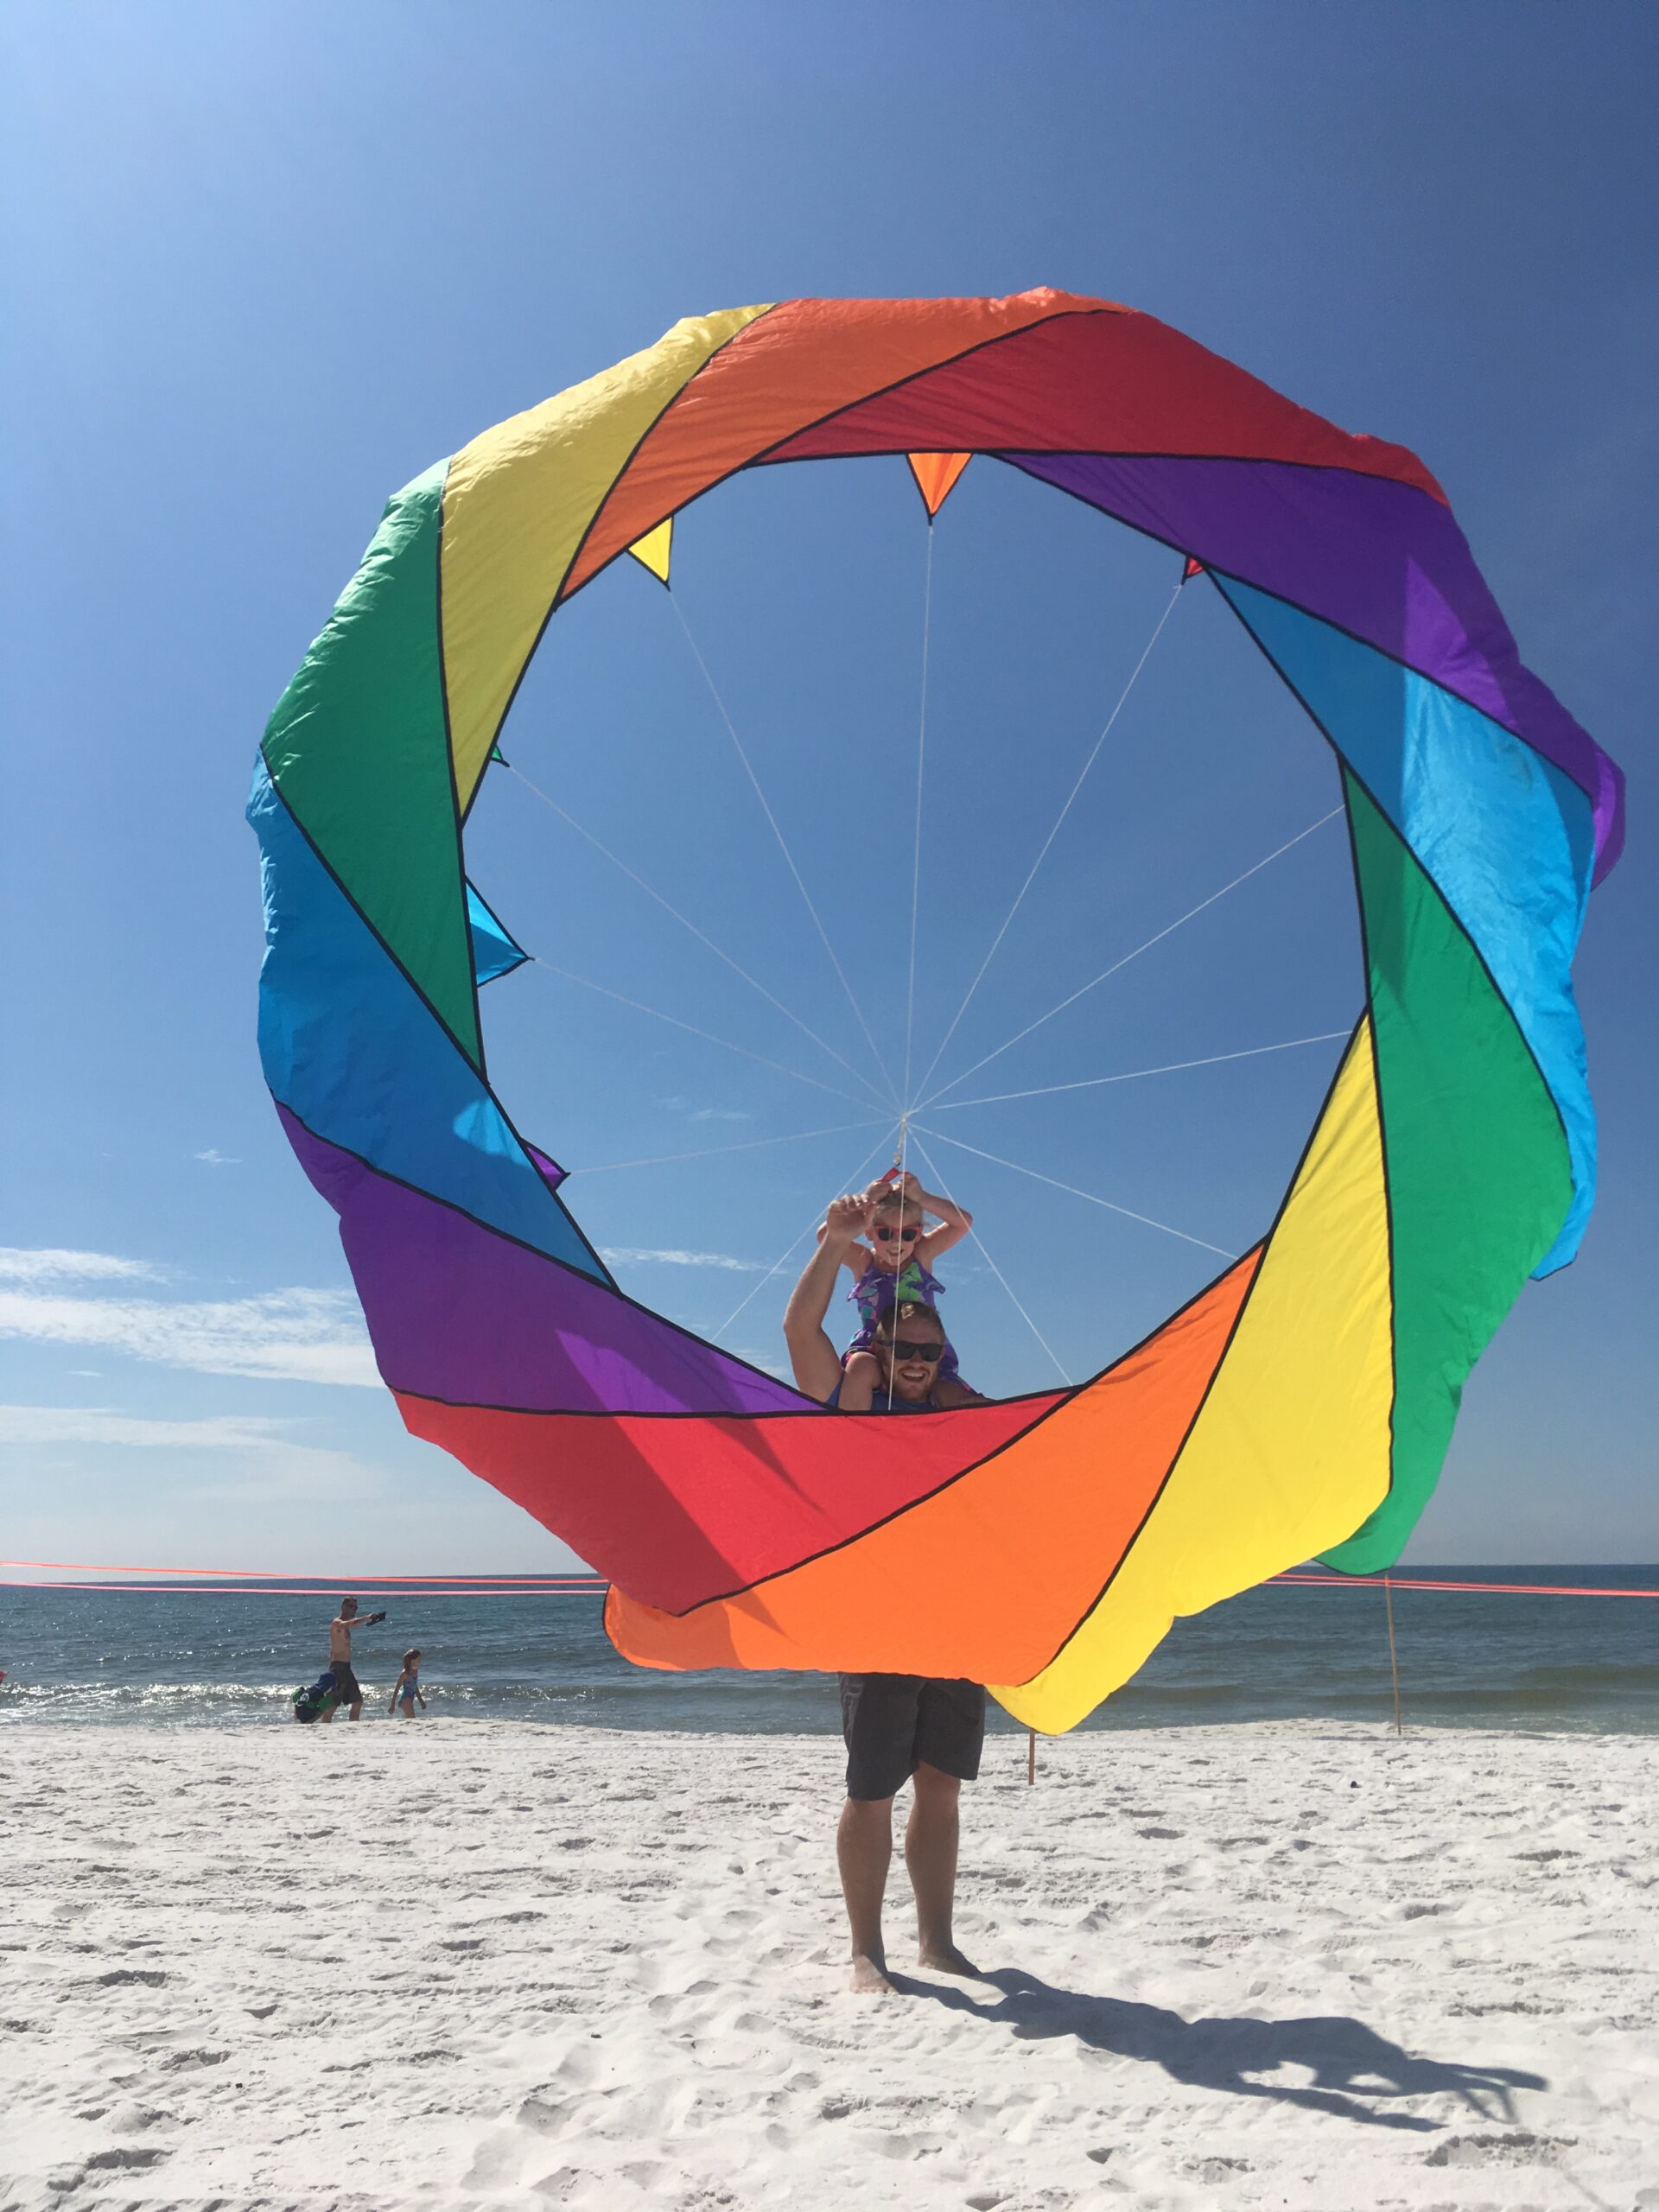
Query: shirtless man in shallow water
340, 1656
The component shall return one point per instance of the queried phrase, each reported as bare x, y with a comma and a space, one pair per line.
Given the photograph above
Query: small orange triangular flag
1193, 568
935, 474
651, 551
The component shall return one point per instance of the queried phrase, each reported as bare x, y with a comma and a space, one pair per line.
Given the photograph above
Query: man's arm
814, 1358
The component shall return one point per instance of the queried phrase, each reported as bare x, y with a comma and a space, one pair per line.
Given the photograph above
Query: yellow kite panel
1291, 1451
517, 504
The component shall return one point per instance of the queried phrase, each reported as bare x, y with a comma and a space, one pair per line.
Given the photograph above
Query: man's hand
847, 1219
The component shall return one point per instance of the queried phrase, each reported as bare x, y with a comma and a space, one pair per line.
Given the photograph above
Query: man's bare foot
946, 1958
869, 1977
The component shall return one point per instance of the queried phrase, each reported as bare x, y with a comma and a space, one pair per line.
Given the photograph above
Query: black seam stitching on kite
605, 1277
1025, 458
766, 457
1398, 660
716, 1413
1383, 651
1061, 1399
914, 376
1169, 1473
761, 459
667, 408
327, 867
555, 602
607, 1282
1382, 1140
1017, 457
1054, 1399
1453, 915
575, 1227
449, 768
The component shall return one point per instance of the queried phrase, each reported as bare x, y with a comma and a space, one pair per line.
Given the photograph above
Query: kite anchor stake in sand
1394, 1660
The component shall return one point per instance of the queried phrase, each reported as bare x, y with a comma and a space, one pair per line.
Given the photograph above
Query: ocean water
1467, 1660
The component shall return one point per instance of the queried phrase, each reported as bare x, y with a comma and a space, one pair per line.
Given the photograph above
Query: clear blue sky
264, 265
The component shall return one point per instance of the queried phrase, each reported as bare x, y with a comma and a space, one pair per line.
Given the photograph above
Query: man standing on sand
340, 1656
897, 1728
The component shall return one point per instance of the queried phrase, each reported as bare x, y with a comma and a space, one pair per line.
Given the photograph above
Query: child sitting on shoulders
896, 1266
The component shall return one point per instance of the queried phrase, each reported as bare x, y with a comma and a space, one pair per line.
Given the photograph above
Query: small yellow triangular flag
651, 551
935, 474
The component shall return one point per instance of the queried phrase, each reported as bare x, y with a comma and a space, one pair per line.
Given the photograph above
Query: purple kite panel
1379, 559
461, 1314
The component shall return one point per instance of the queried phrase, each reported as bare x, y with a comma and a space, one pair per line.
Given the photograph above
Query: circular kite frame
1302, 1403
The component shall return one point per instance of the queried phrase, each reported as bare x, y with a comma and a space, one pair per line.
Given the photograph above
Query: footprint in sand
123, 2156
1519, 2148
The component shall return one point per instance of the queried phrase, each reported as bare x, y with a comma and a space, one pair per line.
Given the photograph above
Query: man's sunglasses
903, 1348
887, 1231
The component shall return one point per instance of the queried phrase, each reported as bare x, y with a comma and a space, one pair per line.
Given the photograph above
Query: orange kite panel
1058, 1507
772, 381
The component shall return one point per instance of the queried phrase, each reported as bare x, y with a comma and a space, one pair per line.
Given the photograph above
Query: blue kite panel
1518, 887
352, 1048
494, 952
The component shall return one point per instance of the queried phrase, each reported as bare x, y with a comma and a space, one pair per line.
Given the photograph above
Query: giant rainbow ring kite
1301, 1404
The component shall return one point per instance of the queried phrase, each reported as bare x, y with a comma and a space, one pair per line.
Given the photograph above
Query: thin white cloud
47, 1265
214, 1158
637, 1255
767, 1361
678, 1105
98, 1424
243, 1452
297, 1335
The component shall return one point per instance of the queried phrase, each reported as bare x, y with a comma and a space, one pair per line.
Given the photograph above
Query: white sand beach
443, 1964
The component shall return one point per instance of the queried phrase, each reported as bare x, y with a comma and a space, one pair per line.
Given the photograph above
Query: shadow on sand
1349, 2062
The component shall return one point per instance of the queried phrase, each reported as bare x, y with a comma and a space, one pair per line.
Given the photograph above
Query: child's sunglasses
887, 1231
903, 1348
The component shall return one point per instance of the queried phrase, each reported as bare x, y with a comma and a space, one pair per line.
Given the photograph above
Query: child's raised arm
955, 1221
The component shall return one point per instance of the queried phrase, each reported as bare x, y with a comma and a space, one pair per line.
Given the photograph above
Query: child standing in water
896, 1268
407, 1686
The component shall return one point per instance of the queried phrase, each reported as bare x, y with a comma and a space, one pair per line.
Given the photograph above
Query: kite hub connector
897, 1169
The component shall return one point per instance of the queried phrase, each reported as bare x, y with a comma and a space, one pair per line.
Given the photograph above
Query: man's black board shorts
346, 1683
895, 1723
